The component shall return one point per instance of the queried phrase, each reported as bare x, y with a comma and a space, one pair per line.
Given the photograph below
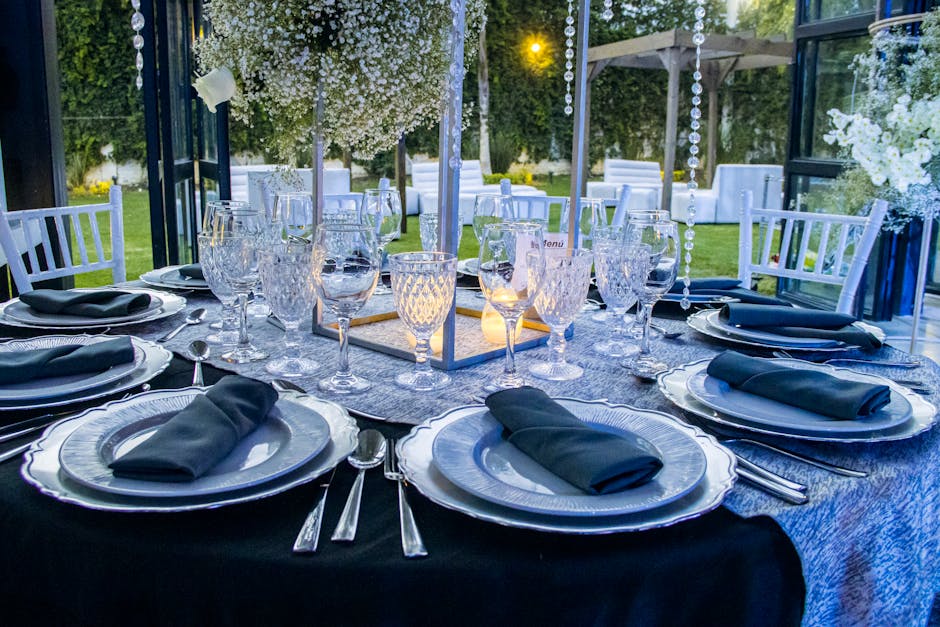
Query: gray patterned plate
703, 322
51, 387
17, 314
155, 360
41, 468
470, 267
473, 455
291, 436
416, 461
674, 386
719, 395
170, 277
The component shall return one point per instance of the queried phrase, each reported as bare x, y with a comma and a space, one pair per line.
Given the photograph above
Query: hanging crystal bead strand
456, 75
569, 57
698, 38
608, 13
137, 23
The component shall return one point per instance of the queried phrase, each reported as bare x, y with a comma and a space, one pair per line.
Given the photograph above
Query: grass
715, 254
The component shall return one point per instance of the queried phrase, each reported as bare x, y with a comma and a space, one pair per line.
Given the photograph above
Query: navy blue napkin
796, 322
201, 435
192, 271
726, 286
595, 461
812, 390
93, 304
59, 361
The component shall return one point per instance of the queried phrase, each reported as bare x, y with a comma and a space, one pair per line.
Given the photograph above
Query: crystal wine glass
346, 264
228, 325
293, 219
236, 237
491, 209
592, 215
616, 270
256, 305
423, 285
655, 231
561, 285
287, 276
505, 283
381, 209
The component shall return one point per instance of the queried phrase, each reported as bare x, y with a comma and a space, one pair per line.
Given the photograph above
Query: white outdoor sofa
722, 203
643, 177
424, 184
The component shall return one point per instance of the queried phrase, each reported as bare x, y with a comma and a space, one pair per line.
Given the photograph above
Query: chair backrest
819, 247
759, 179
13, 224
471, 175
537, 207
424, 176
637, 173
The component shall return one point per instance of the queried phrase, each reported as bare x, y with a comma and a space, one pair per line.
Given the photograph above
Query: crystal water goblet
346, 265
616, 270
236, 237
294, 218
214, 205
561, 285
286, 272
505, 284
657, 233
381, 209
228, 324
423, 285
430, 226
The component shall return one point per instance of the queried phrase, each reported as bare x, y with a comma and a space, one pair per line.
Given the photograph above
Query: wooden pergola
674, 52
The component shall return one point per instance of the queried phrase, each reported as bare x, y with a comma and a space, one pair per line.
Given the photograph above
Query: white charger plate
417, 464
155, 360
51, 387
470, 267
473, 455
41, 468
170, 304
291, 436
170, 277
701, 321
721, 396
673, 384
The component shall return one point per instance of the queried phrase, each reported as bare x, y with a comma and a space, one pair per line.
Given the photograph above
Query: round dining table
862, 551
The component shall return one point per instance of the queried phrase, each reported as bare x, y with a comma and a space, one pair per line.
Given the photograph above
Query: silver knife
769, 475
309, 536
773, 488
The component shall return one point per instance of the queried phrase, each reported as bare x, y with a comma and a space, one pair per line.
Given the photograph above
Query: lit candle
437, 340
494, 325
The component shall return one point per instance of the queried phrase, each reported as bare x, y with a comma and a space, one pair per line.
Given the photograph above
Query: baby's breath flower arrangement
894, 136
380, 66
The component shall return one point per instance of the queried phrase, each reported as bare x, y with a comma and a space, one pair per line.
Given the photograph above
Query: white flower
216, 87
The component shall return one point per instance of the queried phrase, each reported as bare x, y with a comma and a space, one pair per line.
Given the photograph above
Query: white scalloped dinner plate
12, 314
170, 277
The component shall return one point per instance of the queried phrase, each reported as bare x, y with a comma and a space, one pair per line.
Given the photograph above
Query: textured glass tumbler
227, 325
561, 285
423, 286
429, 224
616, 279
287, 276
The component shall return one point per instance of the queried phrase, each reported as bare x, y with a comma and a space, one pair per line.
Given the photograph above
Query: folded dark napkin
93, 304
59, 361
726, 286
812, 390
201, 435
595, 461
192, 271
795, 322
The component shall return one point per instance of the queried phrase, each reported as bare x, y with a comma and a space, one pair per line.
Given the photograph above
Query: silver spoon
195, 317
199, 351
369, 453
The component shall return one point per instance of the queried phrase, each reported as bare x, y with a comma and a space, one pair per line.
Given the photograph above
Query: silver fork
411, 543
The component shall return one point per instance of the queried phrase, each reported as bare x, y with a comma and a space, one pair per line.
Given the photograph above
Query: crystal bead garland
608, 13
137, 23
456, 75
569, 57
698, 38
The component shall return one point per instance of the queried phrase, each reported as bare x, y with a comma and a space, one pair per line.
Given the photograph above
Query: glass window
818, 10
828, 83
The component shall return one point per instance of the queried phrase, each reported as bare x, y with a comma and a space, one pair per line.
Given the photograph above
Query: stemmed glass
346, 264
293, 219
287, 277
505, 284
655, 231
381, 210
237, 235
616, 271
423, 285
561, 285
592, 215
228, 325
491, 209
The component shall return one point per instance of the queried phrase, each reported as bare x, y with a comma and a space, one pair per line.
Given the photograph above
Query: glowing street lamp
535, 52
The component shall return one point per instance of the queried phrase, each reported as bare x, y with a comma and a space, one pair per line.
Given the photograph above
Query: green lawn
715, 254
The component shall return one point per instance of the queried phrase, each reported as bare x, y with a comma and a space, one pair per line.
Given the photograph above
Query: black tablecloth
62, 564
